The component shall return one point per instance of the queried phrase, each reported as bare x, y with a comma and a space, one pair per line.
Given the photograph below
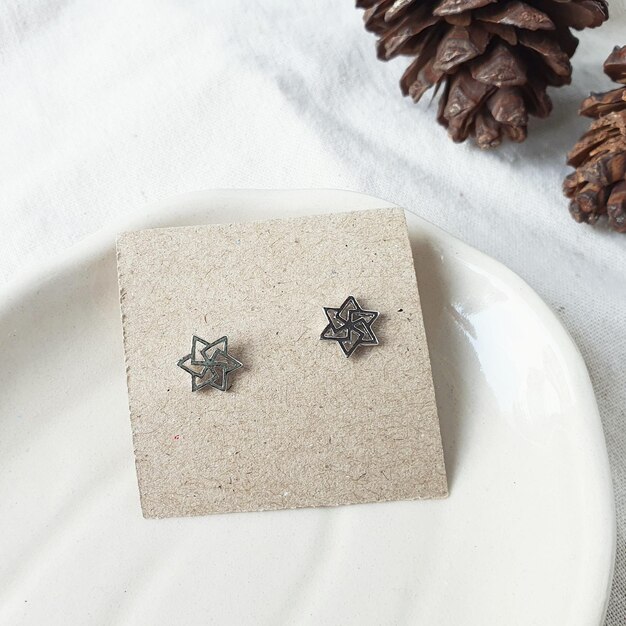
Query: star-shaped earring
209, 364
350, 325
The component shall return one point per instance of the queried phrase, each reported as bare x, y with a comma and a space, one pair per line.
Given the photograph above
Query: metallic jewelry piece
350, 325
209, 364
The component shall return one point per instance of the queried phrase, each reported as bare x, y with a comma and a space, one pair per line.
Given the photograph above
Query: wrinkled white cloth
105, 106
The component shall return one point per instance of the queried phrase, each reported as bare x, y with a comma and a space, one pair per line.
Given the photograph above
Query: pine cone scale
453, 7
464, 97
488, 133
516, 14
507, 107
602, 103
554, 58
460, 45
397, 9
500, 67
391, 44
615, 65
605, 170
508, 34
423, 54
578, 15
616, 207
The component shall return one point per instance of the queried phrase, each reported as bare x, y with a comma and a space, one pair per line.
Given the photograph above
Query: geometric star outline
209, 364
350, 326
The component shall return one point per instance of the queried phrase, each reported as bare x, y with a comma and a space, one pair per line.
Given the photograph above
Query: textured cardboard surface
302, 425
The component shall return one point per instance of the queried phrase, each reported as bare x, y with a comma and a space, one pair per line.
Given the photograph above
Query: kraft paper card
301, 425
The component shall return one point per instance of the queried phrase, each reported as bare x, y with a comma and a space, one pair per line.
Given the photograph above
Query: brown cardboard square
302, 425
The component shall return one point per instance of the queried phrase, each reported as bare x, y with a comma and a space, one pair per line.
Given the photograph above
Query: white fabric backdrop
105, 106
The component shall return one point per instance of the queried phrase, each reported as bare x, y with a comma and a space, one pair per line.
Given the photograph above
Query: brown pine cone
493, 59
598, 186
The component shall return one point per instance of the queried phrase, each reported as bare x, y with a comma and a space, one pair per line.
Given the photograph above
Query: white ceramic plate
526, 536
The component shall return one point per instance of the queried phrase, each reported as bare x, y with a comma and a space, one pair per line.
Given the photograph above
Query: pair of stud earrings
210, 364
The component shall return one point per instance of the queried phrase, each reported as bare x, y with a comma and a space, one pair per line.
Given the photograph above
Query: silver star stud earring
350, 326
209, 364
